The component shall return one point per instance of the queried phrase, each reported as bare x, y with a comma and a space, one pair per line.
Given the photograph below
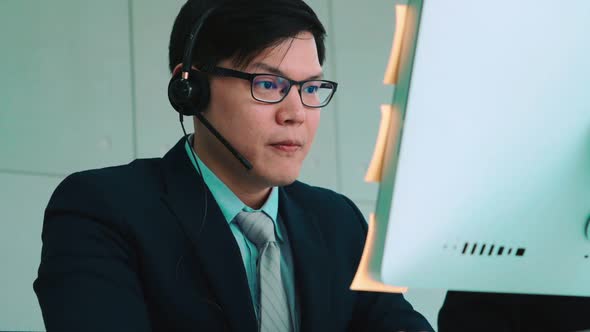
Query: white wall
83, 85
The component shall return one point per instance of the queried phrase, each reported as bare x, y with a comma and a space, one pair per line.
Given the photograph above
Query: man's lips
287, 146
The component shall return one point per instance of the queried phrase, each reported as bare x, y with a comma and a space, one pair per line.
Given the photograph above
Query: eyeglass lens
271, 88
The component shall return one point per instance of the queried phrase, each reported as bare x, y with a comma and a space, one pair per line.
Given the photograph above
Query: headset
189, 94
189, 91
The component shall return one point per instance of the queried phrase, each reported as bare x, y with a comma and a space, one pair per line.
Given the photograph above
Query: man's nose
292, 110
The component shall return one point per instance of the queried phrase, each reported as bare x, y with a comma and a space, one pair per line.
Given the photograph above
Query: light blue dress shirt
230, 206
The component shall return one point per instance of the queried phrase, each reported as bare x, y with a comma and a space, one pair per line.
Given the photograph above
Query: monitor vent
485, 249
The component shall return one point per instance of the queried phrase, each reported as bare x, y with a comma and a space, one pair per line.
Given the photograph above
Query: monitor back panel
492, 181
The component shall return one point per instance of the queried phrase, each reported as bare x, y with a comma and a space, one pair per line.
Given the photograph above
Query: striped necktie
274, 309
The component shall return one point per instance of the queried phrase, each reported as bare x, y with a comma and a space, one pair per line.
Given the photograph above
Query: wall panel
65, 101
22, 202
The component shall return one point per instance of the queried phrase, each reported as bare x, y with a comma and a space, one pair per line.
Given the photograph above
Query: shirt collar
228, 202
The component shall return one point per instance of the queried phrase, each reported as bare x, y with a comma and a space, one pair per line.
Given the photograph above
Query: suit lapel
212, 240
312, 267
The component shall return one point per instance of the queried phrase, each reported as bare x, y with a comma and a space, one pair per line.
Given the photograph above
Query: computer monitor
487, 188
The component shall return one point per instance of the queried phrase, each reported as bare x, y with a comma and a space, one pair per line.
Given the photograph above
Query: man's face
275, 138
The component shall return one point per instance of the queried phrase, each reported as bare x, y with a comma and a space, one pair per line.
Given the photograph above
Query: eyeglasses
272, 89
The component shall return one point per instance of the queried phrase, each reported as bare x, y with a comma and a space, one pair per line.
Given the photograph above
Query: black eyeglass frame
226, 72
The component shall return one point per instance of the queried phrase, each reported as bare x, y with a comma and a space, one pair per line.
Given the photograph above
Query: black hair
241, 29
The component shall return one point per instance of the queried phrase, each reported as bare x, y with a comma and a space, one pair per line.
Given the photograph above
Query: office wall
83, 85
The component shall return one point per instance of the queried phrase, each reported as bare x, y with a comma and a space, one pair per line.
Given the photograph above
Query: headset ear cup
190, 96
175, 94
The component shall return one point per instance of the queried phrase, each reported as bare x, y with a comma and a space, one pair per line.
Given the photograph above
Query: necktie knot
257, 227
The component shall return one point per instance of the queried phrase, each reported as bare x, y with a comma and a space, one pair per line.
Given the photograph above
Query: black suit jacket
126, 249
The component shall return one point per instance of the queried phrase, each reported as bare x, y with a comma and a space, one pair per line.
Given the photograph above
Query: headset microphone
189, 91
223, 141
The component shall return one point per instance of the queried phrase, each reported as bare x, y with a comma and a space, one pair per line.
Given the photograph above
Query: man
147, 246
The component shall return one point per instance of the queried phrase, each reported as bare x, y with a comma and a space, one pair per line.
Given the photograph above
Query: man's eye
311, 89
266, 84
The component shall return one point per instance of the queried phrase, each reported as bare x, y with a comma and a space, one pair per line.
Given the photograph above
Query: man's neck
235, 177
253, 200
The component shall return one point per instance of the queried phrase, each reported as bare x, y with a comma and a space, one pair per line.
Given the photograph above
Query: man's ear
177, 69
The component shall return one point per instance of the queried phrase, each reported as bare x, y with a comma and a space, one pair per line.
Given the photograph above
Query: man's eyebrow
277, 71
